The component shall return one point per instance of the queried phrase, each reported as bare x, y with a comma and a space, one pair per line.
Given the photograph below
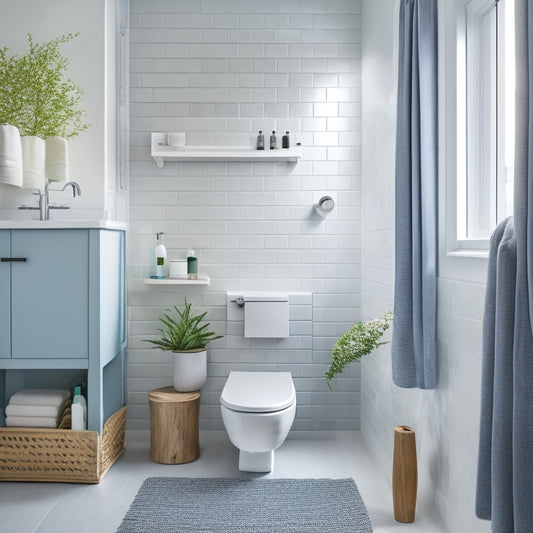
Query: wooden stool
174, 436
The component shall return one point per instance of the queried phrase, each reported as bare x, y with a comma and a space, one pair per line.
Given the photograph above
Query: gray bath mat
227, 505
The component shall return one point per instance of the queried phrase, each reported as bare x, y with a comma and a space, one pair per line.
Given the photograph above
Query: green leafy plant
361, 339
185, 332
34, 94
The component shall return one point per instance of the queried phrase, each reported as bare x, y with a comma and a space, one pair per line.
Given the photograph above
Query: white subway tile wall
221, 70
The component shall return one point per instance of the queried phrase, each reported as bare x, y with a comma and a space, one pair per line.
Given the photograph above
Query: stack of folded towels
39, 408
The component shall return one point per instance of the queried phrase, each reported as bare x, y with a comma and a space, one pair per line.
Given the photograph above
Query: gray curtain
505, 463
413, 338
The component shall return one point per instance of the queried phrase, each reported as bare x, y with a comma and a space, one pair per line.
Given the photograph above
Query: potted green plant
187, 339
37, 98
361, 339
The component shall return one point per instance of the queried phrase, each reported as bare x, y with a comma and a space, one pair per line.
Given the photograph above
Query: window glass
485, 195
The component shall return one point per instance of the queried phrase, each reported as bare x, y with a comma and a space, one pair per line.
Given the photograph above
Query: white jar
178, 269
177, 138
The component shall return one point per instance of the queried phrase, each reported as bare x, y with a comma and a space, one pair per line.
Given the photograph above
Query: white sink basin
61, 224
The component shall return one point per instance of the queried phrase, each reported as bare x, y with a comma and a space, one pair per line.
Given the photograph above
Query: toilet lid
258, 392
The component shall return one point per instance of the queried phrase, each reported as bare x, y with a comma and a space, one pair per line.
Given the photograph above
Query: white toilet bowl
258, 410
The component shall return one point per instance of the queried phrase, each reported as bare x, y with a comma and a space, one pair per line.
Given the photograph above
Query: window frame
457, 260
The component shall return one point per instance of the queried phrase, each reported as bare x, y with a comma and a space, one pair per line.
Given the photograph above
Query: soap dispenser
160, 254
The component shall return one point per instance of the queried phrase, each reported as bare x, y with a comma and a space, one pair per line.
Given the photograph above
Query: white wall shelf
202, 280
161, 152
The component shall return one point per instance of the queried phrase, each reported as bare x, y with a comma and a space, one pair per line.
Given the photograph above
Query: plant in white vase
37, 98
361, 339
187, 339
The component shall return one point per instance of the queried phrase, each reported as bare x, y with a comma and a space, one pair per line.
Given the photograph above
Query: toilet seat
258, 392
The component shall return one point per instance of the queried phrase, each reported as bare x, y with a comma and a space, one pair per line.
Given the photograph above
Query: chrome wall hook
324, 206
239, 300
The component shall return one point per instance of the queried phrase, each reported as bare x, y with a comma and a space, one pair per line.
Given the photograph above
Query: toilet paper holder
241, 300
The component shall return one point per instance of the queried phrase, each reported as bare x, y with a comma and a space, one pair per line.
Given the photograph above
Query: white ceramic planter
33, 161
10, 156
57, 159
189, 370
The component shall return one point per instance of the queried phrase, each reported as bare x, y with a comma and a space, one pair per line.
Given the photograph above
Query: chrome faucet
44, 199
76, 190
45, 209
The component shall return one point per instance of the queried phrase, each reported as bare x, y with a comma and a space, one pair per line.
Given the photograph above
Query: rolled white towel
57, 161
31, 422
33, 162
55, 397
34, 410
10, 156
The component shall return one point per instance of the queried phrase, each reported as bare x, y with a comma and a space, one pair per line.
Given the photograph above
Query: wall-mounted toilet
258, 410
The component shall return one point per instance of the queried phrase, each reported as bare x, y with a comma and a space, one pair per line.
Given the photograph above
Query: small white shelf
161, 152
202, 280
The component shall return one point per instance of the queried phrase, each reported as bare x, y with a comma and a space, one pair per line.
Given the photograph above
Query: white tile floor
62, 507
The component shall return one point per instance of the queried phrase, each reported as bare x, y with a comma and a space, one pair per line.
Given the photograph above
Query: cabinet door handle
13, 259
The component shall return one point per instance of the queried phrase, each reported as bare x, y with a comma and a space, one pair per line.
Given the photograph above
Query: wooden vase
404, 474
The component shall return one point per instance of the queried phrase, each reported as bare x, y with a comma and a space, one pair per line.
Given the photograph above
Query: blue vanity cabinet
62, 309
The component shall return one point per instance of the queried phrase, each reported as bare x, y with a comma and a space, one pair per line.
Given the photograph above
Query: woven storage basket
61, 455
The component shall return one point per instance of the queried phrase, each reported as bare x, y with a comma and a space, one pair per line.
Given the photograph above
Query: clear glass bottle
273, 141
285, 142
260, 140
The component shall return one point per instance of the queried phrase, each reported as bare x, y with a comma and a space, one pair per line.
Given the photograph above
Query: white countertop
62, 224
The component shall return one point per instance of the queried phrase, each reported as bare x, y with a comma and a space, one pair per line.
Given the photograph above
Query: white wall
92, 66
221, 71
446, 420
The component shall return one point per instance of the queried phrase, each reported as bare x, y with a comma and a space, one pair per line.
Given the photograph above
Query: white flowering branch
360, 340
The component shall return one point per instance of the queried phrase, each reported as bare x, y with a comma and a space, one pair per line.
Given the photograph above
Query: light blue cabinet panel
111, 283
106, 325
50, 294
5, 295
